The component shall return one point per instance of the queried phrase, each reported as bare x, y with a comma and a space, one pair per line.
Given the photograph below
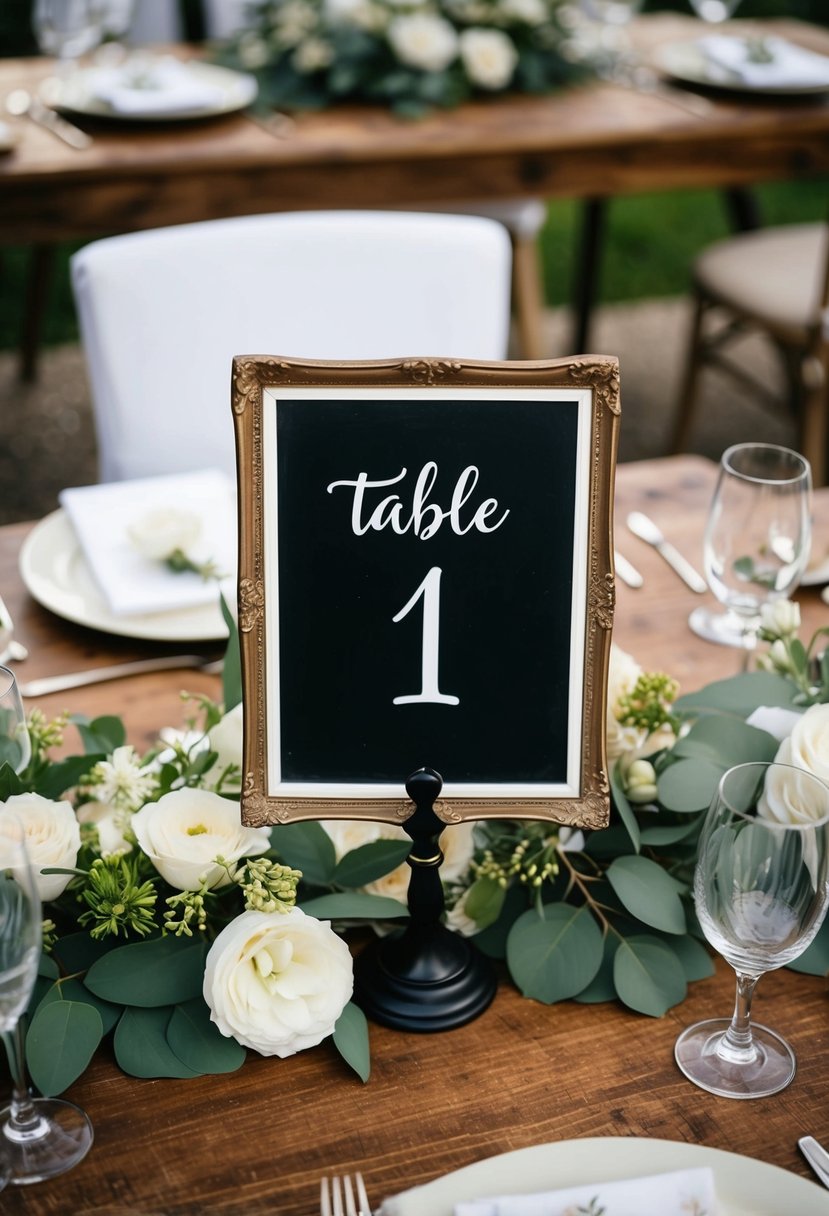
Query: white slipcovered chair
163, 312
775, 280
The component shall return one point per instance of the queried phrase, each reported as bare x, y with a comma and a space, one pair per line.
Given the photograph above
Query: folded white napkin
131, 583
161, 85
675, 1194
789, 66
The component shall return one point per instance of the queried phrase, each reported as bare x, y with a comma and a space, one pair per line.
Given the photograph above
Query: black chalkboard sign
425, 580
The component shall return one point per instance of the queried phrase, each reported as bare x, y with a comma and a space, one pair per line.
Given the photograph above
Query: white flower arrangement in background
410, 54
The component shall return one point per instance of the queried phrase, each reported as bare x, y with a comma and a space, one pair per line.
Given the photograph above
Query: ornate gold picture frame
436, 523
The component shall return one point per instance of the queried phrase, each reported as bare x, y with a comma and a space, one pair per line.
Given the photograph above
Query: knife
643, 527
627, 571
817, 1157
77, 679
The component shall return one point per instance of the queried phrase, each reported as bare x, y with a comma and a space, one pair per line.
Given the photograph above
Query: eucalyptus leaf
101, 735
141, 1046
78, 951
696, 961
554, 957
669, 833
492, 941
163, 971
65, 774
727, 741
602, 988
648, 976
371, 861
626, 812
46, 966
484, 901
351, 1040
61, 1040
75, 990
232, 666
740, 694
198, 1042
648, 893
307, 847
689, 785
10, 783
354, 905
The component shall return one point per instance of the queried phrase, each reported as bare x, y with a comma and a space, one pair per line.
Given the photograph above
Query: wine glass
40, 1137
714, 11
761, 888
15, 746
609, 19
757, 538
67, 29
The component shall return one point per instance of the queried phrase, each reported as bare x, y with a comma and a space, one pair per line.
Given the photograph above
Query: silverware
331, 1198
643, 527
627, 571
817, 1157
77, 679
22, 104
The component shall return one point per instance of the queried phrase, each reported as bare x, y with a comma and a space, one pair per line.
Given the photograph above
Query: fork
331, 1197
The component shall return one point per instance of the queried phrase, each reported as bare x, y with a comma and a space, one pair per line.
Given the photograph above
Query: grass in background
649, 245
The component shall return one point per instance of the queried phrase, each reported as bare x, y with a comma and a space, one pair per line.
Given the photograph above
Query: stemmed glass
757, 538
15, 747
761, 888
67, 29
714, 11
39, 1137
609, 19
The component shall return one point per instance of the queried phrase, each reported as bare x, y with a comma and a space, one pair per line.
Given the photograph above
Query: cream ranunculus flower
489, 57
185, 831
53, 838
456, 842
277, 981
226, 739
787, 799
162, 531
423, 41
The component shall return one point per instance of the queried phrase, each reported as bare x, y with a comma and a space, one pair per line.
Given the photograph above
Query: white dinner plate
234, 91
56, 574
686, 61
745, 1187
816, 575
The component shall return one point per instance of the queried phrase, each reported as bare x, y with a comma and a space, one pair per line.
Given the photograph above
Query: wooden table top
257, 1141
594, 140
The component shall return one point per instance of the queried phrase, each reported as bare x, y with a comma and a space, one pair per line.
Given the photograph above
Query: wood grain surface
594, 140
257, 1141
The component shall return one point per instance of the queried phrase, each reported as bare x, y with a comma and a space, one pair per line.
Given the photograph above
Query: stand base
57, 1139
771, 1069
724, 628
437, 983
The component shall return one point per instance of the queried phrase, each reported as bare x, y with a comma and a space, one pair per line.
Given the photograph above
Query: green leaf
554, 957
163, 971
689, 785
351, 1040
354, 905
307, 847
10, 783
648, 893
626, 812
141, 1046
370, 862
102, 735
62, 1039
696, 961
726, 741
609, 842
78, 951
232, 666
602, 988
46, 966
65, 775
739, 694
669, 833
198, 1042
484, 901
815, 958
493, 941
75, 990
648, 976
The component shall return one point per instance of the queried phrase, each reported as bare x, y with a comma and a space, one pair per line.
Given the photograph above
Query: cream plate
745, 1187
687, 62
236, 90
56, 574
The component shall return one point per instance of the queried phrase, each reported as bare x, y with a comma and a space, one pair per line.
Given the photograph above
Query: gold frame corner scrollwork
600, 375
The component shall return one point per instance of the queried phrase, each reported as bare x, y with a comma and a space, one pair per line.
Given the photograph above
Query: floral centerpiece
409, 54
191, 938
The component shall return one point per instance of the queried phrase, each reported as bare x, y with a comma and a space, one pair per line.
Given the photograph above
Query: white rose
489, 57
781, 618
226, 739
53, 838
110, 824
277, 981
809, 742
185, 831
456, 843
774, 720
423, 41
787, 799
162, 531
531, 12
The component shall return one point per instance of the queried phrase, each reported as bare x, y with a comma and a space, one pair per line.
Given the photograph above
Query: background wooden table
257, 1141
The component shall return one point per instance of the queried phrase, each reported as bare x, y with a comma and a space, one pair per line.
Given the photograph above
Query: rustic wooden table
257, 1141
592, 141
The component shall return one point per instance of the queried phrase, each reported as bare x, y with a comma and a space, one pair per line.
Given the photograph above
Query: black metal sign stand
426, 977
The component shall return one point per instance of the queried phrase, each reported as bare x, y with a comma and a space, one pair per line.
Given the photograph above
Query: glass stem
24, 1122
737, 1044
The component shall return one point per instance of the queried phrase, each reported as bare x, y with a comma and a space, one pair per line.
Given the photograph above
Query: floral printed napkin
680, 1193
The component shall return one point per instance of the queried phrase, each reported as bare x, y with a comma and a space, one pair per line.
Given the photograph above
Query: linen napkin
161, 85
131, 583
680, 1193
787, 65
